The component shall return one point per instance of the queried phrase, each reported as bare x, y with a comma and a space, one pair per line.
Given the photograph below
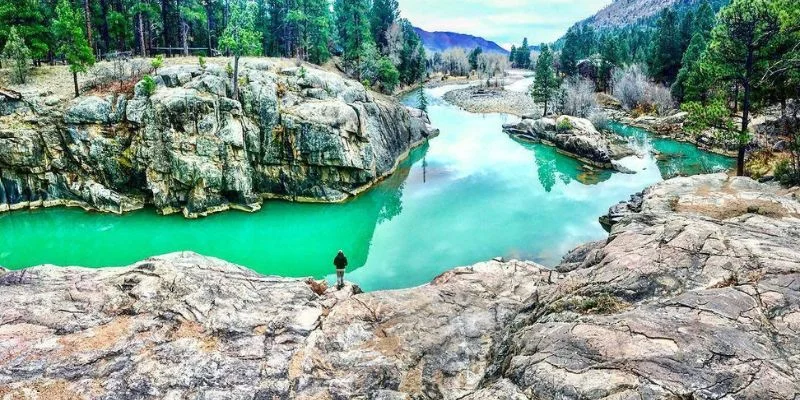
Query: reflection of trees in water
546, 168
392, 187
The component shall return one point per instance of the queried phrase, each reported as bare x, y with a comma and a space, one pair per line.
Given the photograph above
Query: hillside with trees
719, 67
370, 38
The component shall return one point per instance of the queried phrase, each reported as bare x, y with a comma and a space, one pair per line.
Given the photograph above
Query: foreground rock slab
694, 295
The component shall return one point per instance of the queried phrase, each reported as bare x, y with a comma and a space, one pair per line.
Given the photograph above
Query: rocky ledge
576, 137
695, 295
193, 146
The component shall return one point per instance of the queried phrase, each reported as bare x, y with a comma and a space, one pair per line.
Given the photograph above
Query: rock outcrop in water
576, 137
296, 133
696, 294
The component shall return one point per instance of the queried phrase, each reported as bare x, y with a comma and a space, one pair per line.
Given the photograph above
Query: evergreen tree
704, 20
309, 32
68, 29
688, 85
18, 53
355, 37
666, 53
512, 56
742, 46
422, 101
569, 54
545, 84
473, 57
412, 54
524, 55
28, 19
240, 37
383, 15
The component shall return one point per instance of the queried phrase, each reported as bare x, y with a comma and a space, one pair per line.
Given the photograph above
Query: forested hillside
622, 13
374, 43
719, 67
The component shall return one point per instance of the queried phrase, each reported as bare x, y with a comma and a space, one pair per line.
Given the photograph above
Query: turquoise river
469, 195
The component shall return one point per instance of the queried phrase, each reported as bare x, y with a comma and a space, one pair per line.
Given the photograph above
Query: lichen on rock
194, 147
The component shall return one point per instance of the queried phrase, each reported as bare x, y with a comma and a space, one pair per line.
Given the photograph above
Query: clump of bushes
785, 174
564, 125
636, 93
156, 63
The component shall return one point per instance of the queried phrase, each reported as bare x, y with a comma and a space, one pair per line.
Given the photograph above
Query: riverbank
695, 268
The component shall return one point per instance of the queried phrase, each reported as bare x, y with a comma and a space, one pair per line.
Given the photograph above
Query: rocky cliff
695, 295
193, 147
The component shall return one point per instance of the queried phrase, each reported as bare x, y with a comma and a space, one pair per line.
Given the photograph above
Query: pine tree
545, 84
512, 56
240, 37
473, 57
688, 85
743, 44
412, 54
68, 29
383, 15
569, 54
422, 101
355, 37
666, 53
524, 55
28, 19
18, 53
704, 20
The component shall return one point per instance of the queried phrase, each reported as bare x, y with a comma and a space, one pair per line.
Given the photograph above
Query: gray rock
574, 136
88, 110
195, 151
696, 294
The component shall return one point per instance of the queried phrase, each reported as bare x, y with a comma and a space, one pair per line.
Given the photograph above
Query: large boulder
194, 147
574, 136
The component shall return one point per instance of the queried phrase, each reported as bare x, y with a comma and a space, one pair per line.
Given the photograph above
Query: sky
502, 21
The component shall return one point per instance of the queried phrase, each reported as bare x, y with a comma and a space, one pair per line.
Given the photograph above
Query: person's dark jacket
340, 261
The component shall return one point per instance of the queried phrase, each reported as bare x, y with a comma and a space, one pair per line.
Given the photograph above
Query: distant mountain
622, 13
441, 41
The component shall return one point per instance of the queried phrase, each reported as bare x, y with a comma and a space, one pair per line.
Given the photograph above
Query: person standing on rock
341, 263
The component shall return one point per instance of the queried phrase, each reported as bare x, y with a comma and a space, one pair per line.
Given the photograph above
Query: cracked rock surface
695, 295
193, 146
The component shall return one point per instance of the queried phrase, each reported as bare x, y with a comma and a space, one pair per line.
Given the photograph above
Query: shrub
148, 85
661, 99
302, 72
19, 55
599, 120
388, 75
564, 125
577, 98
637, 93
157, 62
785, 174
202, 62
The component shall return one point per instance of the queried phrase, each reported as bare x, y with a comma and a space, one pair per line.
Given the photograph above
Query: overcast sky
503, 21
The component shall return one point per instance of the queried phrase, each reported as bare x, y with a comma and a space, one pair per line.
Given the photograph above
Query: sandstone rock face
695, 295
575, 136
193, 147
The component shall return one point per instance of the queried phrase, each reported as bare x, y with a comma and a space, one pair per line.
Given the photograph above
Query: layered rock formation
192, 147
574, 136
696, 294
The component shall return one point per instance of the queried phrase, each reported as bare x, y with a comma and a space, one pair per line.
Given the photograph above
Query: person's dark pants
339, 278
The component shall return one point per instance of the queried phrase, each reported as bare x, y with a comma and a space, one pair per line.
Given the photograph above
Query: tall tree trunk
745, 114
140, 23
209, 26
88, 16
75, 81
104, 25
185, 38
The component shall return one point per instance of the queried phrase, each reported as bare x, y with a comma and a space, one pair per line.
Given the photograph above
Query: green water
469, 195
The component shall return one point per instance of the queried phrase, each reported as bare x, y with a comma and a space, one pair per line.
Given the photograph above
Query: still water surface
468, 195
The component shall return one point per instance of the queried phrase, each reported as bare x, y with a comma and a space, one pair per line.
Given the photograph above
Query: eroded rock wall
294, 133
